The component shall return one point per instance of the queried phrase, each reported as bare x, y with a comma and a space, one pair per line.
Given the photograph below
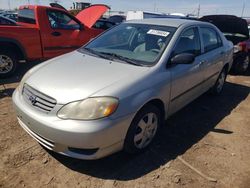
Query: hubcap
221, 81
6, 64
146, 130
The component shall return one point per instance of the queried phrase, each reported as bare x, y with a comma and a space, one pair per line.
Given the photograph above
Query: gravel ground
207, 144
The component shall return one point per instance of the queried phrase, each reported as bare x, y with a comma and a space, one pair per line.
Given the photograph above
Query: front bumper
98, 138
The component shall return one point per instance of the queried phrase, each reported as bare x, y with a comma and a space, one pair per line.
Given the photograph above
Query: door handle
202, 62
56, 34
222, 53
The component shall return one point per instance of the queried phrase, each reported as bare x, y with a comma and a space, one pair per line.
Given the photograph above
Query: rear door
61, 33
213, 53
186, 79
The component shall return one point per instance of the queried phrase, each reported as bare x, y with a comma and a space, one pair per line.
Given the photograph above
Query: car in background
7, 21
117, 19
139, 15
236, 30
103, 24
115, 92
44, 32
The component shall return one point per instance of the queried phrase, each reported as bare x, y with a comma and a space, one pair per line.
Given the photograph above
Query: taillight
240, 47
243, 46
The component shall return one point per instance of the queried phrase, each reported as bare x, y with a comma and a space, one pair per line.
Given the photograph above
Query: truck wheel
143, 129
241, 65
8, 63
218, 86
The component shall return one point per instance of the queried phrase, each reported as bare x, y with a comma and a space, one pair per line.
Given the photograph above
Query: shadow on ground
182, 130
22, 69
6, 91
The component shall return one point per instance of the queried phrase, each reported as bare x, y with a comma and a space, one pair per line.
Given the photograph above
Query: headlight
89, 109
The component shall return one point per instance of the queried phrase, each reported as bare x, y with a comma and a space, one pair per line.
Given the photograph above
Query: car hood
76, 76
228, 24
90, 15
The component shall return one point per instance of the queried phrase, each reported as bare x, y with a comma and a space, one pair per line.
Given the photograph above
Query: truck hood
228, 24
90, 15
76, 76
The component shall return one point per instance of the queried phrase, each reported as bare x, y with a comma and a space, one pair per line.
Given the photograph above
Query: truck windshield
140, 44
26, 16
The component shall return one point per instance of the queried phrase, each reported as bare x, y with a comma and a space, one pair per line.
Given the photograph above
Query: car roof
172, 22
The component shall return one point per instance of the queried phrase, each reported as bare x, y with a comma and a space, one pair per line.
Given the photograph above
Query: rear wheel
8, 63
143, 129
218, 86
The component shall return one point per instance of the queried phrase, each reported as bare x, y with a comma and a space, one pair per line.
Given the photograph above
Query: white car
116, 91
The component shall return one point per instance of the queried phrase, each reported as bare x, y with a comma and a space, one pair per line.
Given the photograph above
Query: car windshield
137, 44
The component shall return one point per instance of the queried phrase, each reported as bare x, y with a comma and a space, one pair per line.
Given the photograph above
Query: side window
219, 40
189, 42
60, 20
26, 16
109, 25
210, 38
99, 25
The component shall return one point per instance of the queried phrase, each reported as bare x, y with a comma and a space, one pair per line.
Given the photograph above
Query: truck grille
38, 99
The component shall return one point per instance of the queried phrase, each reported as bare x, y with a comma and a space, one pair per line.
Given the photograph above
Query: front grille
38, 99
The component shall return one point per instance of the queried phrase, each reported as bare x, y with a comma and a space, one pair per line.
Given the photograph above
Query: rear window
26, 16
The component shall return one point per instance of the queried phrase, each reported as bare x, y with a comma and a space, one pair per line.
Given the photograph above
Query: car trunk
234, 28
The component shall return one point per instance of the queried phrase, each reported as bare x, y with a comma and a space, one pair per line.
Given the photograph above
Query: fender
17, 43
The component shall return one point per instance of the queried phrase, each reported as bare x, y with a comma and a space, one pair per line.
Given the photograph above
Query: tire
8, 63
241, 65
143, 129
218, 86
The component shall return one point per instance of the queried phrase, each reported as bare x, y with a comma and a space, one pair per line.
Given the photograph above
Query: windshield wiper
125, 59
96, 53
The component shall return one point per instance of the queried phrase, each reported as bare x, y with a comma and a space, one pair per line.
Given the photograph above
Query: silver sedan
115, 92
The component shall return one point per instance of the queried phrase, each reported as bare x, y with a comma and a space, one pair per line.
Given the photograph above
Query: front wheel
8, 63
218, 86
143, 129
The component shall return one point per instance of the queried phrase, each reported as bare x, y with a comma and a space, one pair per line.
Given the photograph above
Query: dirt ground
207, 144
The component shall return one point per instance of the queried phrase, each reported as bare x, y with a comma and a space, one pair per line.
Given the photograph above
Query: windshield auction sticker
158, 32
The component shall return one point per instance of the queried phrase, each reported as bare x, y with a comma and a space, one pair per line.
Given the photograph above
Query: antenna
199, 9
243, 9
9, 4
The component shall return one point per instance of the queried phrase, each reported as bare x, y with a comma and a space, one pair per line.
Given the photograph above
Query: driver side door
62, 33
186, 79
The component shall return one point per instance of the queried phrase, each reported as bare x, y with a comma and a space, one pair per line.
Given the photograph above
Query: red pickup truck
44, 32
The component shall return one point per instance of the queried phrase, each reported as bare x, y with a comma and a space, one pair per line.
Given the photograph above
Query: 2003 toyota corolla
116, 91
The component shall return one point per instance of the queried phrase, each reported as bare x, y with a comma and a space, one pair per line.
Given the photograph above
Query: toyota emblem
32, 99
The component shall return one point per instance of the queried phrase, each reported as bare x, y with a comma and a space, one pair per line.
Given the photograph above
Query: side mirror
184, 58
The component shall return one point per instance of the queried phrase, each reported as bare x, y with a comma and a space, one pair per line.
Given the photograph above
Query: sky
235, 7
